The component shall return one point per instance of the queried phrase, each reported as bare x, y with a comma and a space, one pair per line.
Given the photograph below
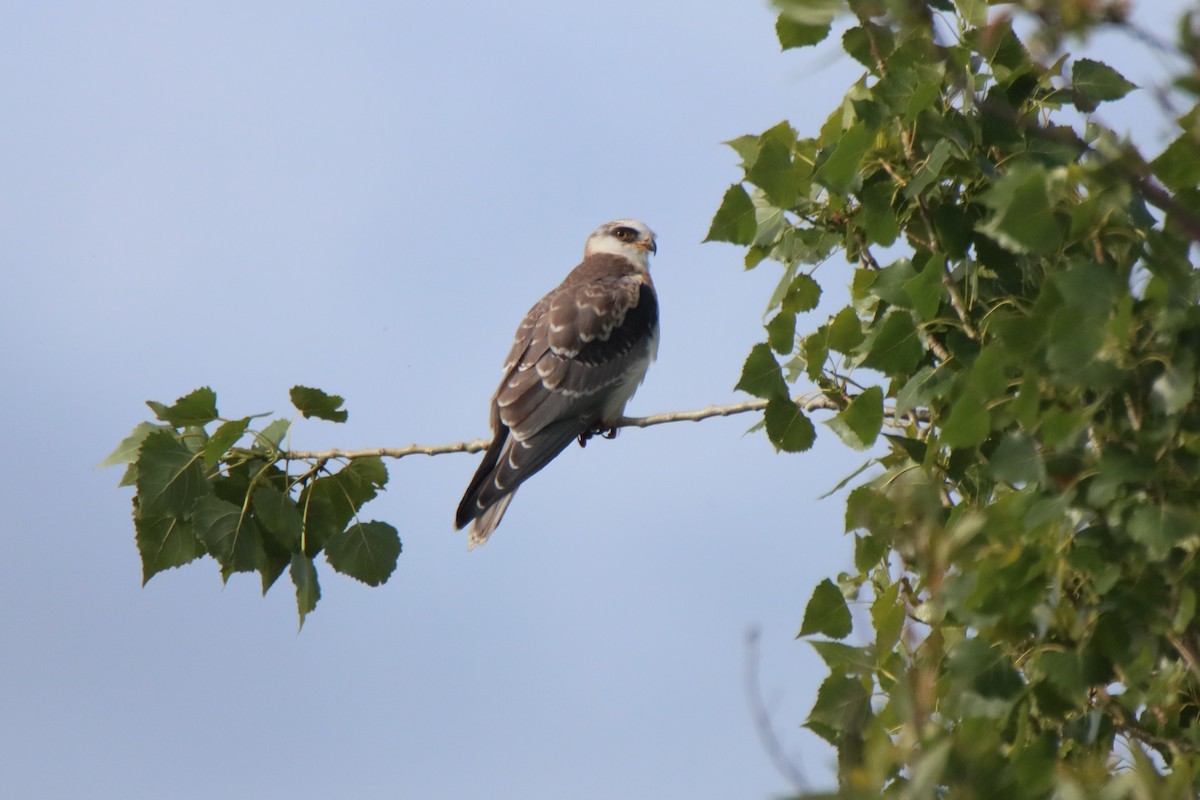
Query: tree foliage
1023, 317
202, 491
1018, 357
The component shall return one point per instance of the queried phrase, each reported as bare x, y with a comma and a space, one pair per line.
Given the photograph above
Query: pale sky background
366, 197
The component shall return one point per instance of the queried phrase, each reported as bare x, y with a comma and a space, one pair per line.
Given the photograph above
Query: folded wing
577, 358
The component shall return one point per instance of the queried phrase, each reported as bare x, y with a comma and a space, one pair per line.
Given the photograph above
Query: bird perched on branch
577, 358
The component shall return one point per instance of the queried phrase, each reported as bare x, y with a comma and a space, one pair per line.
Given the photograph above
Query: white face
629, 238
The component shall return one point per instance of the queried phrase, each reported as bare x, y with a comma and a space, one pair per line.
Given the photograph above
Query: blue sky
366, 197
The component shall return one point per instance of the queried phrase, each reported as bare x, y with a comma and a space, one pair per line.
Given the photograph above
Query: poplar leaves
224, 488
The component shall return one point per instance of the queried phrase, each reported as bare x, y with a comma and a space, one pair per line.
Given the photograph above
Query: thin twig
1156, 195
786, 767
1182, 648
1135, 730
473, 446
479, 445
818, 403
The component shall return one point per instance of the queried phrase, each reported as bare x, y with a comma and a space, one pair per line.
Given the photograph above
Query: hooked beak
650, 245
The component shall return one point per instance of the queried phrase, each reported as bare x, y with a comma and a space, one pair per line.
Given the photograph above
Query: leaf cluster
1019, 355
225, 488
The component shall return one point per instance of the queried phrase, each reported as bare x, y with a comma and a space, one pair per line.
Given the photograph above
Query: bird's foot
599, 430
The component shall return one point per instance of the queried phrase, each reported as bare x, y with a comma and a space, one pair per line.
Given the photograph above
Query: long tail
507, 464
469, 508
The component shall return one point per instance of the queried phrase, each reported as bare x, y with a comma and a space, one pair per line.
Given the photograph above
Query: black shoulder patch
636, 328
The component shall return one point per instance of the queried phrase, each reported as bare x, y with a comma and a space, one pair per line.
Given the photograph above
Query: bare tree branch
784, 765
818, 403
1189, 656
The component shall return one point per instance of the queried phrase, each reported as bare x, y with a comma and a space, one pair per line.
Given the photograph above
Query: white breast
614, 407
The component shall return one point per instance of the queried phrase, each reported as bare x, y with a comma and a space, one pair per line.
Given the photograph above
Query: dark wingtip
468, 507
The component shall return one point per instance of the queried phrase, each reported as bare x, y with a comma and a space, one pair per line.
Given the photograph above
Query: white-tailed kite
577, 358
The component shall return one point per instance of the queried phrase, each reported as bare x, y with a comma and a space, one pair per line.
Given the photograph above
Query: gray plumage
577, 358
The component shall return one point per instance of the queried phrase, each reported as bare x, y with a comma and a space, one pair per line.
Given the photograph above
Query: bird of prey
577, 358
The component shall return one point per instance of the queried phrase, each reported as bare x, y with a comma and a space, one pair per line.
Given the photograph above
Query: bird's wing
584, 341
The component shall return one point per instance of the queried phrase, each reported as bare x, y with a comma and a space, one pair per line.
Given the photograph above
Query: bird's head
623, 237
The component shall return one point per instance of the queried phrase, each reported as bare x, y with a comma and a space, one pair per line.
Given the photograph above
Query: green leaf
1173, 390
781, 332
271, 437
308, 590
127, 450
1162, 527
913, 449
869, 44
366, 552
845, 481
234, 541
826, 612
1022, 220
324, 515
929, 171
841, 657
878, 219
928, 770
845, 332
328, 504
887, 616
1065, 671
802, 295
277, 512
1025, 408
223, 438
925, 289
170, 477
772, 170
734, 221
746, 146
130, 476
1074, 340
273, 565
869, 551
999, 44
974, 664
197, 408
797, 34
859, 423
1089, 288
1098, 82
843, 704
969, 423
761, 375
164, 542
788, 428
894, 347
769, 222
887, 283
316, 403
838, 172
1016, 460
1186, 611
973, 12
1178, 167
816, 351
925, 385
809, 12
954, 228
